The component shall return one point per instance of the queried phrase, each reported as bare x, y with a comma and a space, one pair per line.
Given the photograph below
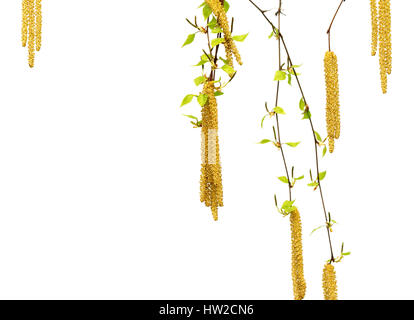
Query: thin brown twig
316, 143
330, 26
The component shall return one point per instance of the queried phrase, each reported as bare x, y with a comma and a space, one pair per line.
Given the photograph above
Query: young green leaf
300, 178
187, 99
202, 99
324, 151
302, 104
228, 69
280, 75
218, 93
279, 110
264, 141
284, 179
261, 125
189, 40
206, 11
322, 175
216, 42
306, 115
240, 38
316, 229
190, 116
200, 80
226, 6
293, 144
318, 136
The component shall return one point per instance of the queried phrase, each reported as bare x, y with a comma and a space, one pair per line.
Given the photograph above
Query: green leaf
318, 136
187, 99
287, 204
206, 11
226, 6
189, 40
293, 144
279, 110
216, 30
240, 38
218, 93
264, 141
190, 116
213, 23
302, 104
289, 79
346, 253
322, 175
284, 179
200, 80
316, 229
300, 178
228, 69
216, 42
280, 75
261, 125
306, 115
313, 184
204, 60
202, 99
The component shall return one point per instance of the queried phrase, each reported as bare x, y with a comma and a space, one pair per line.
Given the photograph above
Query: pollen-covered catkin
211, 188
32, 26
330, 290
374, 23
385, 45
333, 117
38, 24
231, 49
298, 277
25, 21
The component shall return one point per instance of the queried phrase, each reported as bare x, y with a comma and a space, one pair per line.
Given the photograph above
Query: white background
99, 170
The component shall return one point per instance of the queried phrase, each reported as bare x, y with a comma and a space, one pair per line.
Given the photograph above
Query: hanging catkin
385, 45
38, 24
231, 49
333, 117
32, 27
330, 290
211, 188
298, 277
25, 21
374, 23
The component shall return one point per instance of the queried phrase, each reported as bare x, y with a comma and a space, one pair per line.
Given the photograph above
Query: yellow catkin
231, 49
32, 26
330, 290
38, 24
298, 277
333, 117
385, 46
211, 188
25, 22
374, 23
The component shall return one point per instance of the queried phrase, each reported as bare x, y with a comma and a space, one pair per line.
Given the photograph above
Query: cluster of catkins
381, 33
298, 277
231, 49
211, 188
32, 27
330, 289
333, 117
